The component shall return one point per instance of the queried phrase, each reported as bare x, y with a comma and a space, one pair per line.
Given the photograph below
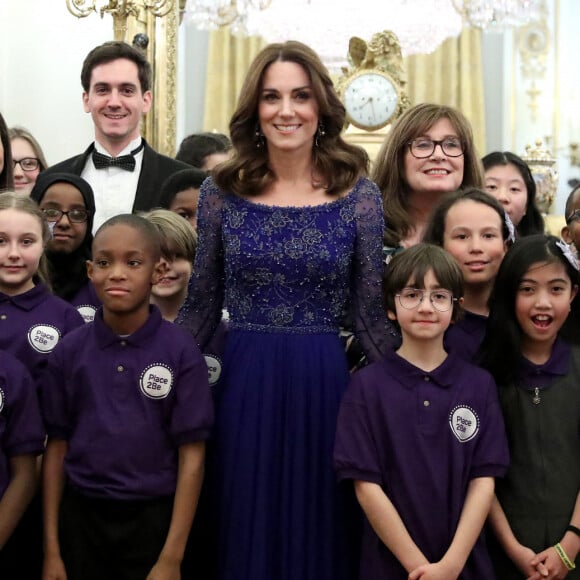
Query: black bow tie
126, 162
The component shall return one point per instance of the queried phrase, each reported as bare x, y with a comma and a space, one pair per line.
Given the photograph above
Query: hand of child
53, 568
549, 566
165, 569
438, 571
522, 557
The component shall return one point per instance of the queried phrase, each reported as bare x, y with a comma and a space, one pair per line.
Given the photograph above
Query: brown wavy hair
389, 171
7, 173
337, 162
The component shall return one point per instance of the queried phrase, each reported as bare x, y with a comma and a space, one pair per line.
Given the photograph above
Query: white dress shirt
114, 188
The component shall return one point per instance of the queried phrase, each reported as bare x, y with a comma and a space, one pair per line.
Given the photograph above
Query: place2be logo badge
214, 368
156, 381
464, 423
43, 337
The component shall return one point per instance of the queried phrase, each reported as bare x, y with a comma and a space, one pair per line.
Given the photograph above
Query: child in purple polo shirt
32, 322
178, 247
32, 319
127, 407
421, 435
472, 226
21, 441
531, 348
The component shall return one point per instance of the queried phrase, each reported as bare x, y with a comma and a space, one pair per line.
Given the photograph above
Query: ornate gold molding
165, 69
534, 47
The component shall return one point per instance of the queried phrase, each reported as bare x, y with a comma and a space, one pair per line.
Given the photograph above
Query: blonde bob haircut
338, 163
389, 171
24, 203
177, 236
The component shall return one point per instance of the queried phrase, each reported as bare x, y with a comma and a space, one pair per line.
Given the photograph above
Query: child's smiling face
67, 234
543, 303
426, 320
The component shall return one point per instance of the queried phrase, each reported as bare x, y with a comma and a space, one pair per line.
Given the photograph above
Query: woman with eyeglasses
27, 157
68, 205
6, 175
428, 153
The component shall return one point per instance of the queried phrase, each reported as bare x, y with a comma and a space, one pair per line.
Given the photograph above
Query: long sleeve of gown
372, 328
201, 312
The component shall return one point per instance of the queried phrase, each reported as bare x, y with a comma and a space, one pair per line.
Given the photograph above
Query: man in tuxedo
125, 173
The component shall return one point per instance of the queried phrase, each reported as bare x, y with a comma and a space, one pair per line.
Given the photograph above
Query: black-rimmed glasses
410, 298
423, 148
75, 216
27, 163
575, 215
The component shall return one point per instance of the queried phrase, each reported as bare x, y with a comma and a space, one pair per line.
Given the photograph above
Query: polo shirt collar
533, 376
106, 337
29, 299
409, 375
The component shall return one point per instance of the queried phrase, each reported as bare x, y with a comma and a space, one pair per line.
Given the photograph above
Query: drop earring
320, 133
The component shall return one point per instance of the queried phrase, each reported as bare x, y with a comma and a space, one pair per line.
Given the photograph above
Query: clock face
370, 99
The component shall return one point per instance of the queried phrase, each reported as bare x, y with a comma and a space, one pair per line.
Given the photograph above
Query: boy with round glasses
421, 435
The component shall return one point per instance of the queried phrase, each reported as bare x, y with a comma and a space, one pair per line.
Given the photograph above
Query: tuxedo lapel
147, 188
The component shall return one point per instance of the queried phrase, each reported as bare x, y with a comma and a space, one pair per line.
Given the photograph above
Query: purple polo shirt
465, 336
21, 428
86, 302
125, 405
422, 436
33, 323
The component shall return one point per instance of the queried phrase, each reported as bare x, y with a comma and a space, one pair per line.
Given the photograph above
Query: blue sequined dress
287, 275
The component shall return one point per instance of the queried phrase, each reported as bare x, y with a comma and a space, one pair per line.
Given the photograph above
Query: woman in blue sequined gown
289, 237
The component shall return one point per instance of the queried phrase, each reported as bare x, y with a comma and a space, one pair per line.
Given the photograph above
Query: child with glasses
28, 159
68, 205
421, 435
571, 231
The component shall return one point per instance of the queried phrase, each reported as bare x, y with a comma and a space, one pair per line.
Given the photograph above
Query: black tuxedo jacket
155, 169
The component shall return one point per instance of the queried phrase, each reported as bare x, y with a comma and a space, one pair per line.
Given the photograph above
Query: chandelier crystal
214, 14
498, 14
327, 25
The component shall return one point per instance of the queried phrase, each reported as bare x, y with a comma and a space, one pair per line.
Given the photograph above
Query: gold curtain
452, 75
229, 58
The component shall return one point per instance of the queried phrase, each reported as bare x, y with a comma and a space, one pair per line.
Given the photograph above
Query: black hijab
68, 272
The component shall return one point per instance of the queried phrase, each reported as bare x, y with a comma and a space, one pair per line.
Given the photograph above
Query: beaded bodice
288, 269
